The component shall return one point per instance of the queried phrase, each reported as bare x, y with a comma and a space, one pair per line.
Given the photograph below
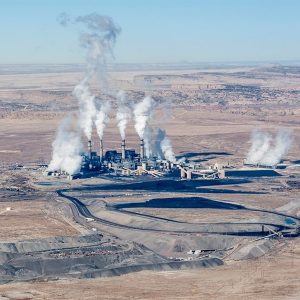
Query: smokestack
142, 149
123, 149
90, 148
101, 150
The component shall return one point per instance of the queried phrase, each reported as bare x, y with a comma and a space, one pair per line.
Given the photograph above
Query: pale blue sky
155, 30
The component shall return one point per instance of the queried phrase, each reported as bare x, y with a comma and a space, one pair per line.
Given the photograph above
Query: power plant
68, 157
130, 163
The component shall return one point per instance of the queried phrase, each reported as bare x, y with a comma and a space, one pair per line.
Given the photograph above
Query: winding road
85, 212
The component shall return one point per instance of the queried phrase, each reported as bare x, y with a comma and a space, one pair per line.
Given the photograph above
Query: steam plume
102, 118
281, 146
148, 141
99, 41
87, 109
143, 112
260, 146
164, 146
66, 148
63, 19
159, 138
123, 113
268, 151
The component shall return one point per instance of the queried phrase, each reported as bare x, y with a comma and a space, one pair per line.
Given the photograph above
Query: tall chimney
142, 149
90, 148
123, 150
101, 150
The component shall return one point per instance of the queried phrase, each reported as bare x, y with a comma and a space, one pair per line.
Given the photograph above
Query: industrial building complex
129, 162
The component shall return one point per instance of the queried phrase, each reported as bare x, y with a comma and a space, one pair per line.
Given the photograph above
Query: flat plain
213, 113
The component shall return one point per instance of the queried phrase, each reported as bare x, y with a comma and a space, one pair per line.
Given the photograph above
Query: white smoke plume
167, 150
66, 148
63, 19
148, 141
159, 138
143, 112
102, 118
164, 146
99, 41
265, 150
260, 145
87, 109
98, 38
123, 113
165, 107
282, 143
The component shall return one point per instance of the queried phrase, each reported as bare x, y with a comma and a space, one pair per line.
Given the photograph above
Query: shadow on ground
193, 154
195, 186
180, 202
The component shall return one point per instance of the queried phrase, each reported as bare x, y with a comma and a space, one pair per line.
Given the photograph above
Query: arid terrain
213, 113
